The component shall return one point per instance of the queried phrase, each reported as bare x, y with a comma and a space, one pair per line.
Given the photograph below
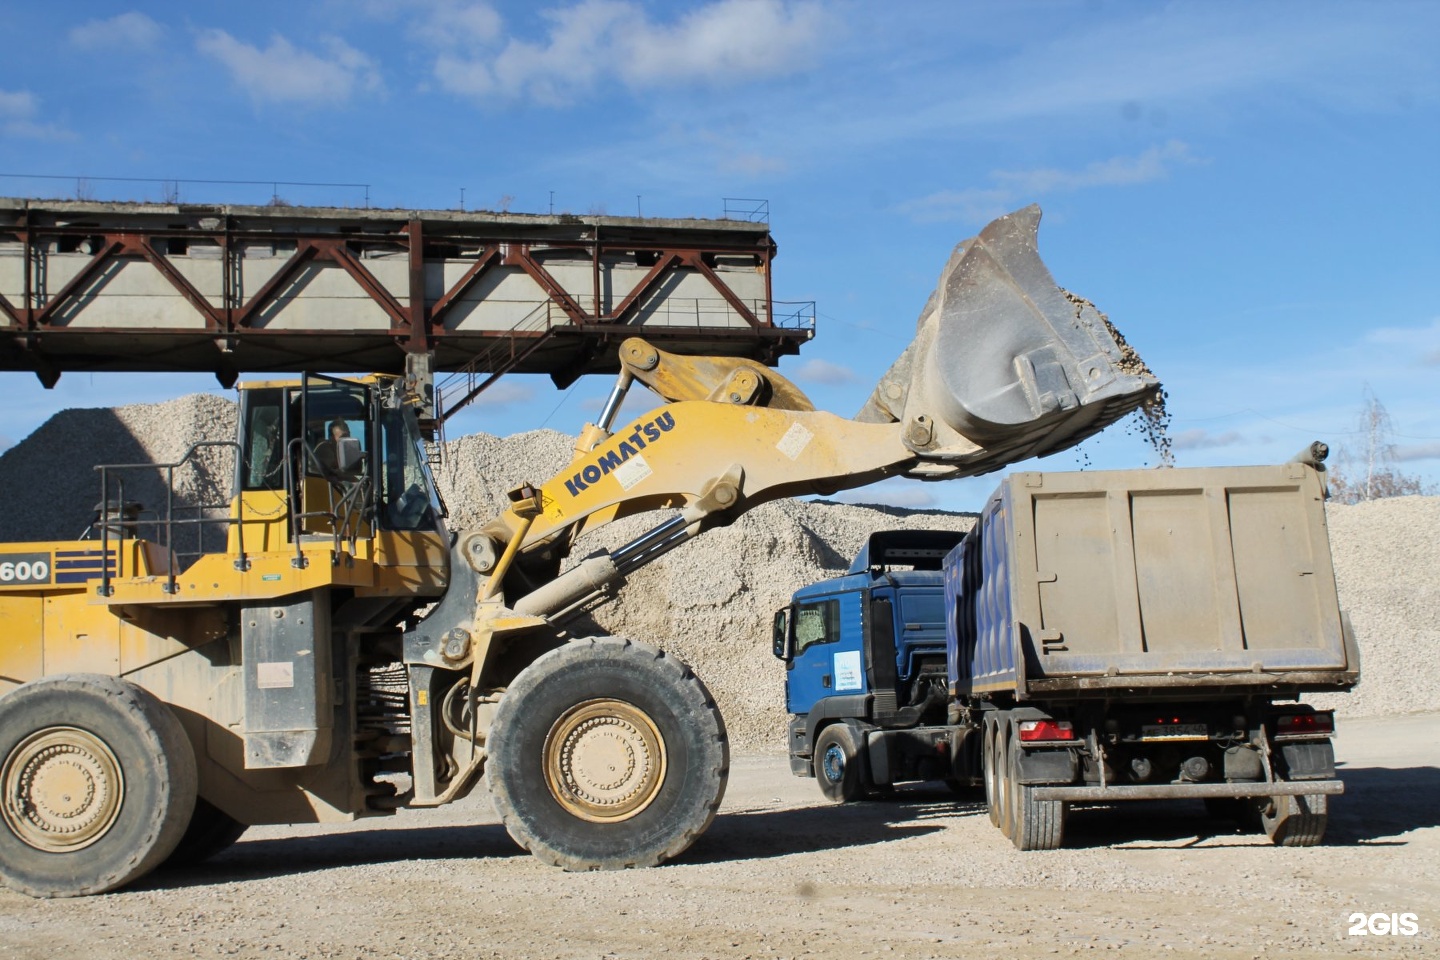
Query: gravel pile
1387, 568
710, 602
51, 485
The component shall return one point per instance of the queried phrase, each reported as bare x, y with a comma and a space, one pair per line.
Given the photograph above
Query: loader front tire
98, 782
606, 754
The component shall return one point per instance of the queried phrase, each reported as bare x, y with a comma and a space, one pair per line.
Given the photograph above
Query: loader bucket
1005, 365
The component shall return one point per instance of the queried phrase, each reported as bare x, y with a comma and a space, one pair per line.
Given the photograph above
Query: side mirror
782, 644
348, 453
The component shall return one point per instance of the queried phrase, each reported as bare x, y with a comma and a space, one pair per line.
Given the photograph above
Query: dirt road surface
782, 874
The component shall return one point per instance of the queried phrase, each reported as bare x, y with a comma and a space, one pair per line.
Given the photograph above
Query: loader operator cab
345, 455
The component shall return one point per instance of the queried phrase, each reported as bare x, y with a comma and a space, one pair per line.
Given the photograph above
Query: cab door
828, 660
332, 448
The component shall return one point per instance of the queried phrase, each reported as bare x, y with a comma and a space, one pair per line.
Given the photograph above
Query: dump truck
1096, 637
341, 653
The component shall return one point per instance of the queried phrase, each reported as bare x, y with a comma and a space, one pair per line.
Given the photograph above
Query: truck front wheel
838, 766
607, 754
98, 782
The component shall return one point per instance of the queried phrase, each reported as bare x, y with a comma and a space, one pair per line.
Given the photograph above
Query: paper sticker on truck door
847, 670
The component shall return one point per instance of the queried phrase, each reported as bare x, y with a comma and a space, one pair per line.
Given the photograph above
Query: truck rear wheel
839, 768
607, 754
1004, 782
990, 761
98, 784
1037, 824
1295, 821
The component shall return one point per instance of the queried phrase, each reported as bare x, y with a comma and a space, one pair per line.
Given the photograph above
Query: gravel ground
783, 874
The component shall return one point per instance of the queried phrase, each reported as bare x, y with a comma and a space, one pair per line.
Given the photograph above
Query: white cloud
132, 30
20, 105
1152, 164
503, 393
454, 23
1013, 187
1416, 451
816, 370
970, 205
895, 492
1422, 342
724, 42
18, 110
728, 40
751, 164
285, 73
1199, 439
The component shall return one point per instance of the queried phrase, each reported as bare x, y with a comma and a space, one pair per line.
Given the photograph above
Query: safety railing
746, 208
794, 314
122, 519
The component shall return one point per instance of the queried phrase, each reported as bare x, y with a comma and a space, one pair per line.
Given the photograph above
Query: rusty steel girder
418, 282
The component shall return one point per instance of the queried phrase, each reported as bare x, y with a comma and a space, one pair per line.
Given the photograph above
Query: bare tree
1367, 470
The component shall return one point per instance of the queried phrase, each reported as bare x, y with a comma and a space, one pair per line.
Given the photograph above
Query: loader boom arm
1004, 365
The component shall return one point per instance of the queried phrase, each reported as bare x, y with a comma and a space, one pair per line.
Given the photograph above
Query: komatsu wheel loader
345, 654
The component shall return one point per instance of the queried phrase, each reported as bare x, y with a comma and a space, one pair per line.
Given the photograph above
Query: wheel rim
604, 760
62, 789
833, 763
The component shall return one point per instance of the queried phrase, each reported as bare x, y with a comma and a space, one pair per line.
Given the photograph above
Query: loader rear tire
211, 830
606, 754
98, 782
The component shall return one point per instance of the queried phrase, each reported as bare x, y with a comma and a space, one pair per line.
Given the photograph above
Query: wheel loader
340, 653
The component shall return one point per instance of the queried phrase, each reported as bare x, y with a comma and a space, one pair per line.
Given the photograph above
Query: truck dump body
1095, 583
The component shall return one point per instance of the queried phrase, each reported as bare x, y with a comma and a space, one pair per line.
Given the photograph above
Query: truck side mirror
781, 643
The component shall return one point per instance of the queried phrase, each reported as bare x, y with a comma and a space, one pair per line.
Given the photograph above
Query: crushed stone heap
53, 487
710, 602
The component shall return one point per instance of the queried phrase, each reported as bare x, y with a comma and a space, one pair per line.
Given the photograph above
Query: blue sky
1248, 190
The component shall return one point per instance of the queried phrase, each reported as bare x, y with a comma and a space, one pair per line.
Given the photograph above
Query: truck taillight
1292, 724
1046, 730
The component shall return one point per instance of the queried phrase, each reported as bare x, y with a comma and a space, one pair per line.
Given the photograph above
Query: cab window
816, 623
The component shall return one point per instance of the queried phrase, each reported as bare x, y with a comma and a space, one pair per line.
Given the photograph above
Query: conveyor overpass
238, 289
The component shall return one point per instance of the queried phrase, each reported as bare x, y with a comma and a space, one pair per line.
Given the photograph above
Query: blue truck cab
865, 679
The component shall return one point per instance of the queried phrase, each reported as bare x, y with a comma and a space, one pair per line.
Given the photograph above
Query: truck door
828, 662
